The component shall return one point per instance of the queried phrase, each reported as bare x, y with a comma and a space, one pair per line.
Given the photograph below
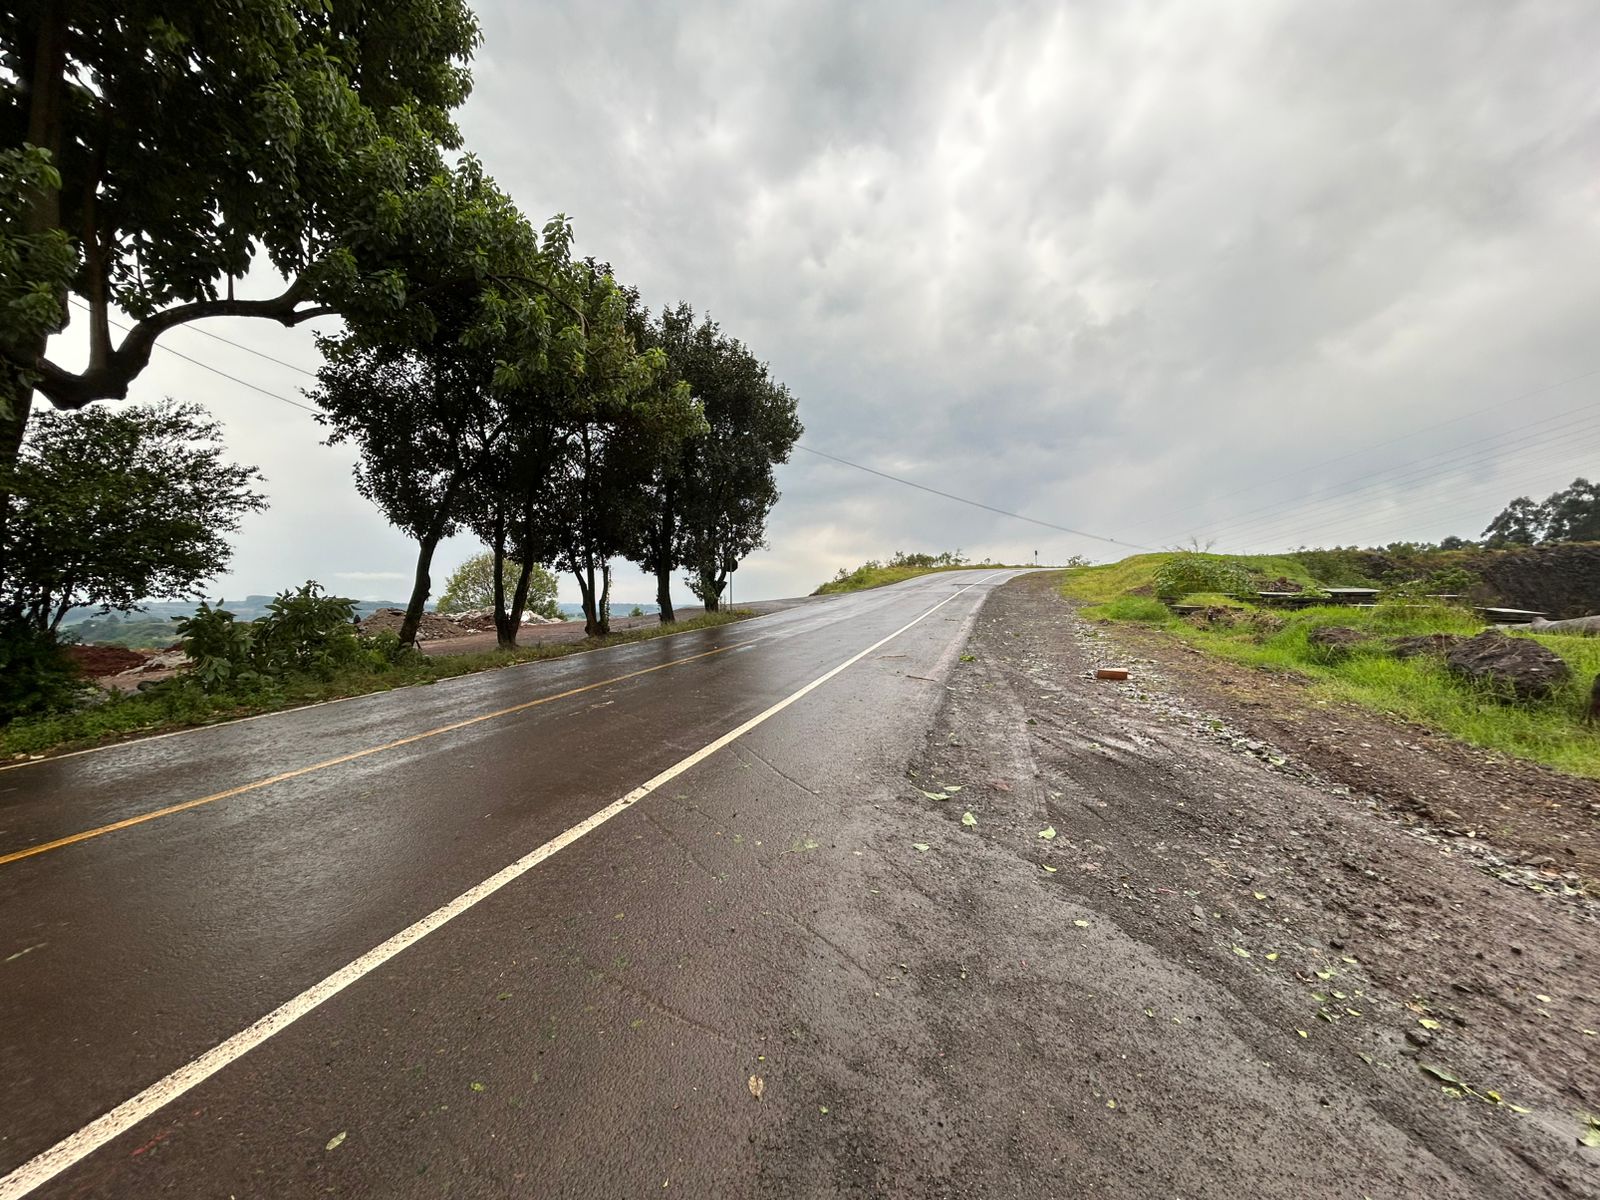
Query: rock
1336, 639
1427, 643
1516, 666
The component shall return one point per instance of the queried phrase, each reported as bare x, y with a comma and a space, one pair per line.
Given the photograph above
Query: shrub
36, 676
304, 633
1186, 573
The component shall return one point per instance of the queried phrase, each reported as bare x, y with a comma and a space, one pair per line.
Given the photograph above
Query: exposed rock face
1518, 666
1561, 580
1336, 638
1427, 643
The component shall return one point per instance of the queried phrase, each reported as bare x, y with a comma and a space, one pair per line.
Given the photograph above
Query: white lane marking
71, 1149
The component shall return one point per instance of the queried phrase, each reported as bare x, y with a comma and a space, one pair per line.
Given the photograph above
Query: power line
217, 370
975, 503
1335, 500
1402, 437
1415, 469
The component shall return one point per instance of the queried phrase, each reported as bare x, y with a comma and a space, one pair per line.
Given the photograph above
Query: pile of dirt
433, 627
95, 662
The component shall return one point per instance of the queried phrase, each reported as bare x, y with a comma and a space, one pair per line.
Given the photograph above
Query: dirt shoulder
1173, 952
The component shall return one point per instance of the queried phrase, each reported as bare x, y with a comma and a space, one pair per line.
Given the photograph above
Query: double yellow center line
185, 806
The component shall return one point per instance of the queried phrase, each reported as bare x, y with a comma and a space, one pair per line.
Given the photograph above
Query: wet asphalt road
589, 1030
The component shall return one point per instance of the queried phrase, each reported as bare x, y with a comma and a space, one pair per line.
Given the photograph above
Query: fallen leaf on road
1273, 957
952, 787
1542, 998
1081, 924
1241, 952
1049, 868
336, 1140
757, 1086
1429, 1023
1259, 895
1439, 1073
935, 795
823, 1109
919, 845
968, 819
1048, 832
476, 1086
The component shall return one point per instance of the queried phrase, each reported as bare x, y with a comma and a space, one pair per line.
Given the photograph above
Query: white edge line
76, 1146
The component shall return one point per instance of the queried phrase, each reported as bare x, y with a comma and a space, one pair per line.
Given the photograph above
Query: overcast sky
1255, 273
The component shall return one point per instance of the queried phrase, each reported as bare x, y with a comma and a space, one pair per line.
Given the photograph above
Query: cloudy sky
1257, 274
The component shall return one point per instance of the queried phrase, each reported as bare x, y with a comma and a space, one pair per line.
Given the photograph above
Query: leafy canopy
471, 586
115, 506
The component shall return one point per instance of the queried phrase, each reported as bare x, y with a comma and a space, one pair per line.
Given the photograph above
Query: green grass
162, 710
1099, 584
1418, 689
871, 576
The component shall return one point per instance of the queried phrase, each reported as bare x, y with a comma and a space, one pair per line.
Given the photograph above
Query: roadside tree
115, 506
725, 485
472, 586
161, 147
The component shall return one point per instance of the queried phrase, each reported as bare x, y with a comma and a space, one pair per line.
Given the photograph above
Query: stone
1336, 639
1427, 643
1513, 666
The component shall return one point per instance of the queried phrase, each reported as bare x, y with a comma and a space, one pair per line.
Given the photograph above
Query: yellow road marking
129, 822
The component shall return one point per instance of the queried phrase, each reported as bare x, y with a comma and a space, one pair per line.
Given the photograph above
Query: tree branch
109, 378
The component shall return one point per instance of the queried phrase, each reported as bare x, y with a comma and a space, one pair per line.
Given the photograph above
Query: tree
1570, 515
1573, 515
615, 422
1520, 523
114, 506
163, 145
472, 586
423, 421
726, 484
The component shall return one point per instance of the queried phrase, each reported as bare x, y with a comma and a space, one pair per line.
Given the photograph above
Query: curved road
519, 933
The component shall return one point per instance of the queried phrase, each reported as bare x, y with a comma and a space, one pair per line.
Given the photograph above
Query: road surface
657, 833
884, 895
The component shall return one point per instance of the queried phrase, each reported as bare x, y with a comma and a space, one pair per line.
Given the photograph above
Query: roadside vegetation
1420, 687
245, 683
900, 567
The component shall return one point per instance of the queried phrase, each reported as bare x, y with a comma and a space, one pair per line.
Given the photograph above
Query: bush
1186, 573
36, 676
1132, 608
304, 633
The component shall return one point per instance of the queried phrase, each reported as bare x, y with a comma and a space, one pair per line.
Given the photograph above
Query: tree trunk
664, 530
423, 585
519, 602
506, 623
591, 622
44, 73
604, 605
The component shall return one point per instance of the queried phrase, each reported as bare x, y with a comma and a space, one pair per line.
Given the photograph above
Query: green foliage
382, 665
112, 506
1132, 608
1419, 688
36, 676
471, 586
35, 268
903, 566
1186, 572
713, 497
1570, 515
305, 632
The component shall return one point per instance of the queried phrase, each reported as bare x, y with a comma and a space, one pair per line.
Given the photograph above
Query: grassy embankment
167, 708
874, 575
1419, 689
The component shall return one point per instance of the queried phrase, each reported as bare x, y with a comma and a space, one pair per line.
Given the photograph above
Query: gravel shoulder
1177, 950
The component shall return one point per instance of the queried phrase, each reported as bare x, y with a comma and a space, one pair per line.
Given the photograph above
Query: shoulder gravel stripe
75, 1147
258, 784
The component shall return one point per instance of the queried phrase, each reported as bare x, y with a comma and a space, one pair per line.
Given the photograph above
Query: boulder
1518, 666
1336, 637
1426, 643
